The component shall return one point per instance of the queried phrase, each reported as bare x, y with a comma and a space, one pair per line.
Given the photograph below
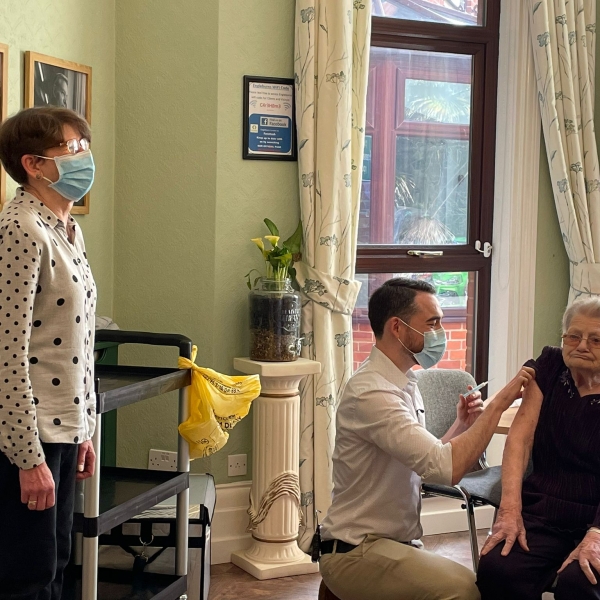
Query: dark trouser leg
524, 575
574, 585
65, 499
33, 542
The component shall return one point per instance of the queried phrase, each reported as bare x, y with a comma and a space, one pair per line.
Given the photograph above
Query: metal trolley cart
115, 495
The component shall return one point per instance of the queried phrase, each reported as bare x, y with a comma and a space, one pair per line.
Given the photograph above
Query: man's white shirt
382, 454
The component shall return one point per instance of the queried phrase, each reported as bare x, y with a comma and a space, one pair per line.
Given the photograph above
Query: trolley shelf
120, 386
118, 494
115, 584
125, 493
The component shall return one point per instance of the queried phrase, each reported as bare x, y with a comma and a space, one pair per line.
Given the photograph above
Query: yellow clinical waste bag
217, 403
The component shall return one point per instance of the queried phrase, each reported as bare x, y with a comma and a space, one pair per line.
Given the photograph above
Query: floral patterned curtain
331, 72
563, 34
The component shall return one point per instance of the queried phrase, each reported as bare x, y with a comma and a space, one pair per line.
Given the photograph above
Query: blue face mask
75, 175
433, 348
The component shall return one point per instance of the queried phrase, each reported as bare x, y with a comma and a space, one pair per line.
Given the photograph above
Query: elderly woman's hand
509, 527
469, 407
588, 555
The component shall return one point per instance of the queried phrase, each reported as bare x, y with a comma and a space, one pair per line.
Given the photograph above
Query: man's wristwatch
594, 530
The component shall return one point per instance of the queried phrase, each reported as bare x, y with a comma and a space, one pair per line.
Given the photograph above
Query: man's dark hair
395, 298
33, 131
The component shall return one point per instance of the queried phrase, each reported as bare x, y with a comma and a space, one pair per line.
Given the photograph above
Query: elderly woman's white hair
589, 306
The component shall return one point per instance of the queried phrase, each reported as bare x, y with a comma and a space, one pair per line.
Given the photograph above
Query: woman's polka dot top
47, 314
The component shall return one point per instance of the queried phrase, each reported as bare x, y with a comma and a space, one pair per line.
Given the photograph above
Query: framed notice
269, 119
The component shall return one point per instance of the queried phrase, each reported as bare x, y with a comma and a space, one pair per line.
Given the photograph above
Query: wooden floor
228, 582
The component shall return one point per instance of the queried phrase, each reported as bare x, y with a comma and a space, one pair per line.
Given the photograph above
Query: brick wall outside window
456, 350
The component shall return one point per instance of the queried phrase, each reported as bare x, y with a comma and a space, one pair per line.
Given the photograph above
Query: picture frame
269, 119
3, 110
53, 81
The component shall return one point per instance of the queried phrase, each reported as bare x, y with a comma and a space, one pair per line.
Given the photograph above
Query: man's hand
86, 460
37, 487
469, 407
513, 390
588, 555
509, 527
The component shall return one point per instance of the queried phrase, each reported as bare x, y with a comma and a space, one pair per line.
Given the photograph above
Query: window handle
487, 248
425, 253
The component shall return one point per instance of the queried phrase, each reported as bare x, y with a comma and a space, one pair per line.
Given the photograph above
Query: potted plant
274, 304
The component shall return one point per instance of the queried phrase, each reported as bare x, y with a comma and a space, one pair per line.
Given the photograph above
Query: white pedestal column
276, 439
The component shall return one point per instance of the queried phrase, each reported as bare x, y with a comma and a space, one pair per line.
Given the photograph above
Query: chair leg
473, 535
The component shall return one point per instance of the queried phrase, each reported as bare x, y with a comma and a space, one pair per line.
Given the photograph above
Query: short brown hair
33, 131
395, 298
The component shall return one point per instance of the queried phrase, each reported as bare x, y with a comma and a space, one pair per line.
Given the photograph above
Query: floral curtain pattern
331, 59
563, 35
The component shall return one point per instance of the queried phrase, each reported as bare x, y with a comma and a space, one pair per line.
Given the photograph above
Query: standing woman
47, 306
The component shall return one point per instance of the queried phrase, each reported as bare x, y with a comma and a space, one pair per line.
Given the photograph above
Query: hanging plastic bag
217, 403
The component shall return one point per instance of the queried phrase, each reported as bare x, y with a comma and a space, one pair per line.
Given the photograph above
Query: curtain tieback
288, 483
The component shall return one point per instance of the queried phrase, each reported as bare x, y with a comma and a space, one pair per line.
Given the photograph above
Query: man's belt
342, 547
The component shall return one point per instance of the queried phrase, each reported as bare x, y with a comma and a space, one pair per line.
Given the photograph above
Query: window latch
487, 248
425, 253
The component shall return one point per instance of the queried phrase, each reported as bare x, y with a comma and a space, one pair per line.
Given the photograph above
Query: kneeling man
371, 548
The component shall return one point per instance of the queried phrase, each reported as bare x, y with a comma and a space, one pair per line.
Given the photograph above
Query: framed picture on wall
3, 109
55, 82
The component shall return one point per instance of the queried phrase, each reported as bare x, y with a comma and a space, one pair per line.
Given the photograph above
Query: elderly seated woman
548, 524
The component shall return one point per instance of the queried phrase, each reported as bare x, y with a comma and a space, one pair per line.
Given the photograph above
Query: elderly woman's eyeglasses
73, 146
574, 339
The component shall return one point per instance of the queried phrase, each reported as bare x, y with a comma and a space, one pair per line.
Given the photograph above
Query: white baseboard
438, 515
229, 524
444, 515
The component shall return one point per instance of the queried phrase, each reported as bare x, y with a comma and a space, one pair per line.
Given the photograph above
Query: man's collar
389, 370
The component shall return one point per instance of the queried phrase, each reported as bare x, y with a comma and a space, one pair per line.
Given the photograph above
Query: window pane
431, 191
456, 294
417, 149
437, 101
451, 12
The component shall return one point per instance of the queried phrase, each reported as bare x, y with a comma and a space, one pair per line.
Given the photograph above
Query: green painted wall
247, 190
551, 266
81, 31
186, 204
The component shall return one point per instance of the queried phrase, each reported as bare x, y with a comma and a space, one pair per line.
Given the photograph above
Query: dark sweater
564, 488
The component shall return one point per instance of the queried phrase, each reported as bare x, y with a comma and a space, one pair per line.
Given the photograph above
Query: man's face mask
75, 175
433, 348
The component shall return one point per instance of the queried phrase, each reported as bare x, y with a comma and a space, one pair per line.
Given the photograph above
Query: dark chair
440, 389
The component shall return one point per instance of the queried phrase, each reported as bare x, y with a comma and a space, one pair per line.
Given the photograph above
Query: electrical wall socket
162, 460
237, 465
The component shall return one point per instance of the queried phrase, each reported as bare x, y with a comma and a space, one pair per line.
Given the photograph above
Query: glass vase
274, 321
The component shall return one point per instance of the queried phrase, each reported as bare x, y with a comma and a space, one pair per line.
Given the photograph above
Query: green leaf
292, 272
272, 227
294, 242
